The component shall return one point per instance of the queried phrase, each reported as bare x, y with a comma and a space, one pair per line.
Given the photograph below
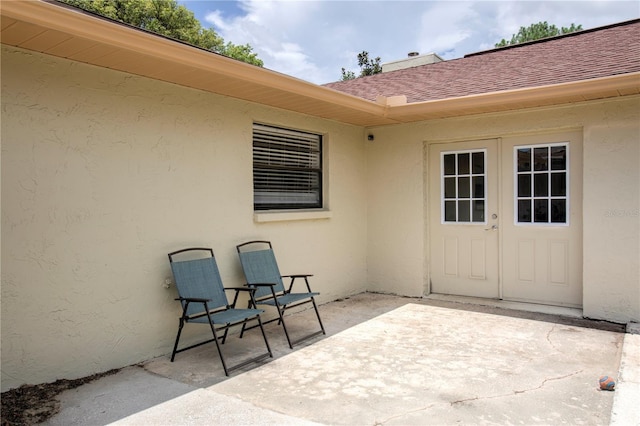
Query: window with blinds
287, 169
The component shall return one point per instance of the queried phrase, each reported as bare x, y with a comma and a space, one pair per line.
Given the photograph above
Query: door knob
493, 228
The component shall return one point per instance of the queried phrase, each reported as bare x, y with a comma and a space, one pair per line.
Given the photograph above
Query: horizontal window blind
287, 168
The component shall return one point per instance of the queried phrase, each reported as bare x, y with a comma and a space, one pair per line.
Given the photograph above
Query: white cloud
313, 40
445, 26
218, 21
272, 28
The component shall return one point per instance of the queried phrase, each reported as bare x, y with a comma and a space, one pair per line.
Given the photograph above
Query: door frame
428, 211
572, 296
501, 196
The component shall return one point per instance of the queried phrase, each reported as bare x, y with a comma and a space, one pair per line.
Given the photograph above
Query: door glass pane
450, 211
558, 158
524, 185
463, 186
524, 211
524, 159
558, 184
540, 185
541, 190
478, 187
464, 208
464, 190
449, 164
541, 210
540, 158
558, 210
463, 164
450, 187
478, 163
478, 210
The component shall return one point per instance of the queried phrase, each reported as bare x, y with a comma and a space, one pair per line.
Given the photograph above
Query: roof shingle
589, 54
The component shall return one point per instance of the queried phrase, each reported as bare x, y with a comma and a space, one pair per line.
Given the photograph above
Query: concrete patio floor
387, 360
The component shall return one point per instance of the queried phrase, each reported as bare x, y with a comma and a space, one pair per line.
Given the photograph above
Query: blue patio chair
262, 273
204, 301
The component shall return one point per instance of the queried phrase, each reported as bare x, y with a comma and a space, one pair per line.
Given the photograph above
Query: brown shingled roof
599, 52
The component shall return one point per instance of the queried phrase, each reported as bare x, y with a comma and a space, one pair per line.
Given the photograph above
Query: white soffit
65, 32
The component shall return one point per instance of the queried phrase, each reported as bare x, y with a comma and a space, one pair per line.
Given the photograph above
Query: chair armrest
293, 279
273, 293
188, 300
251, 291
193, 299
240, 289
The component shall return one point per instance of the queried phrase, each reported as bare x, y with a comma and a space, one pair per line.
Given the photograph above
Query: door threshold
505, 304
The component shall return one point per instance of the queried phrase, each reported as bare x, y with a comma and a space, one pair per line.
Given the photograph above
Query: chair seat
229, 316
260, 267
287, 299
204, 301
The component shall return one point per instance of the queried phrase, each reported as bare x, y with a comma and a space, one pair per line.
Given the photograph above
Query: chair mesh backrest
200, 279
260, 266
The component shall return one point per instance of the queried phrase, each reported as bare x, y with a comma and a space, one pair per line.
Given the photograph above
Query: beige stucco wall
103, 174
396, 211
612, 214
398, 234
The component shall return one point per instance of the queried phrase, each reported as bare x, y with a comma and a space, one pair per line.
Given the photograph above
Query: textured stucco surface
103, 173
398, 256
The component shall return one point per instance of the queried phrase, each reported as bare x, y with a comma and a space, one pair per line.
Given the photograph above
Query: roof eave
507, 100
33, 18
79, 36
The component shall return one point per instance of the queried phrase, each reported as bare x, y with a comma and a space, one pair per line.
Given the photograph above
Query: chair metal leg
281, 311
226, 331
224, 336
284, 326
175, 346
242, 331
268, 354
264, 336
318, 315
244, 324
215, 338
284, 308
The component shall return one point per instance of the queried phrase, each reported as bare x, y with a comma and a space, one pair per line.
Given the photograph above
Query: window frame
471, 198
304, 147
549, 196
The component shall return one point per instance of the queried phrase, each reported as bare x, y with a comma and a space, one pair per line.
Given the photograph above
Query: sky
314, 40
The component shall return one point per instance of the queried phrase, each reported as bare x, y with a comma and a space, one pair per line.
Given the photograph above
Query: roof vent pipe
412, 54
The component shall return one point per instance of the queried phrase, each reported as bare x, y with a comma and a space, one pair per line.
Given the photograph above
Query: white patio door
505, 218
463, 219
542, 237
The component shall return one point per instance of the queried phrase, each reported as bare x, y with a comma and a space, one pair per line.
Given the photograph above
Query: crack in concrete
382, 422
478, 398
553, 329
516, 392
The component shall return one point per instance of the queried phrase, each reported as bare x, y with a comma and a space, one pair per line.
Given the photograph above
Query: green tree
367, 67
347, 75
538, 31
242, 52
167, 18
